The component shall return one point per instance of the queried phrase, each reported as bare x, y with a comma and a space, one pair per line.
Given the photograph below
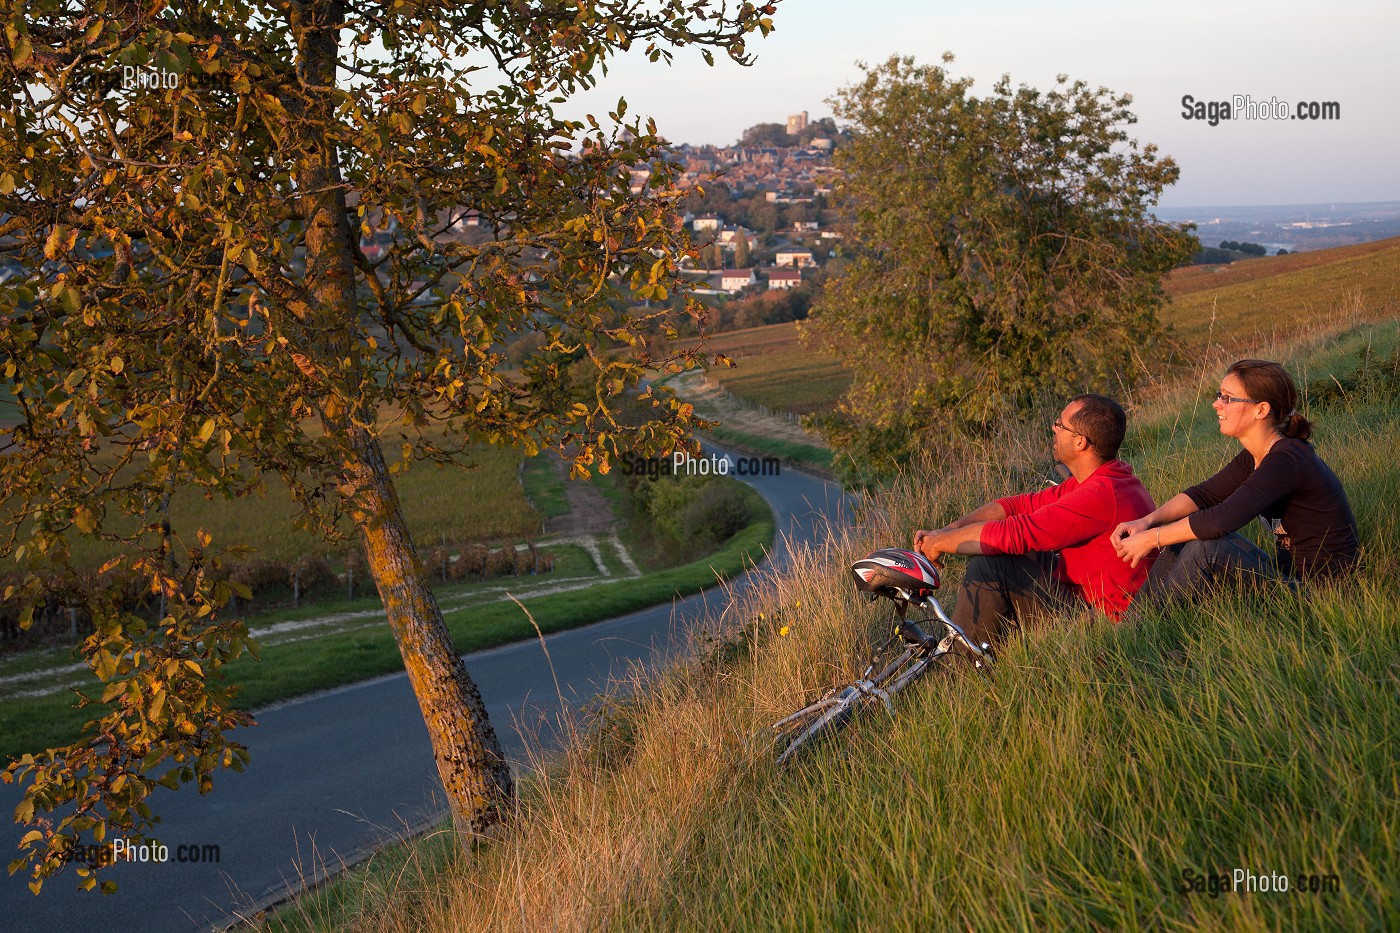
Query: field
773, 369
1085, 784
1229, 307
484, 502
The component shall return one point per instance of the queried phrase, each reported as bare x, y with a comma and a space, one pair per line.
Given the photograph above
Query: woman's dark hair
1269, 382
1103, 423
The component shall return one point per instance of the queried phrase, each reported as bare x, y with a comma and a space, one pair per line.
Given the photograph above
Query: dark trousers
1002, 593
1186, 569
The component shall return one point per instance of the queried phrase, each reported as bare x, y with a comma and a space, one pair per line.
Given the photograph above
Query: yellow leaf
85, 519
118, 364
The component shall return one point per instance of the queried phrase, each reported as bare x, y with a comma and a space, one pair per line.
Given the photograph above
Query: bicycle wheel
799, 731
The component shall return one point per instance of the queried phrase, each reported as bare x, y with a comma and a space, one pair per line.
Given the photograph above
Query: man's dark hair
1103, 423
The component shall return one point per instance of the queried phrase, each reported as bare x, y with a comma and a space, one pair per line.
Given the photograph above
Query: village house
706, 222
729, 236
783, 279
736, 280
794, 257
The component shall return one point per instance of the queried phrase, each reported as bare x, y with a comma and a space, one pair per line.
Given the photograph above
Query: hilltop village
758, 210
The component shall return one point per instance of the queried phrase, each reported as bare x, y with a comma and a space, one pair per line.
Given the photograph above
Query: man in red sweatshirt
1047, 550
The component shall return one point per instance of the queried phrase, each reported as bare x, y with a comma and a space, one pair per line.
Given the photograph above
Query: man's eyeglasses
1064, 427
1231, 399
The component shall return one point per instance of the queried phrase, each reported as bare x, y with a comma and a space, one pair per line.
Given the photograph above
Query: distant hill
1234, 306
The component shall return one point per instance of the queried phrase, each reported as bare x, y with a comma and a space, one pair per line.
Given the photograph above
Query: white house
706, 222
729, 236
779, 279
794, 257
736, 280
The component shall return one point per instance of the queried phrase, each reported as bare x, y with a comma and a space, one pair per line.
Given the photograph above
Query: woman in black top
1278, 476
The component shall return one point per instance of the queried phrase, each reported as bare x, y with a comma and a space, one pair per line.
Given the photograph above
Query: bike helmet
896, 574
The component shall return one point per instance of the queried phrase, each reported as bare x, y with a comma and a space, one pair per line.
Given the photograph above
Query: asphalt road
334, 774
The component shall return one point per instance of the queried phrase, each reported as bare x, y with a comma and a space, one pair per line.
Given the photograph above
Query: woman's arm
1177, 507
1163, 526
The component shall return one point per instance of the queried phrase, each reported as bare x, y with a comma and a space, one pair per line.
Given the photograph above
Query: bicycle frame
834, 708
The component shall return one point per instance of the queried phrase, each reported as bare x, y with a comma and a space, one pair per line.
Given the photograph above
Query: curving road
334, 774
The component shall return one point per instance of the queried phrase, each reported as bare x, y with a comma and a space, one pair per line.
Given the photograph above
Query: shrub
262, 577
500, 563
312, 572
714, 515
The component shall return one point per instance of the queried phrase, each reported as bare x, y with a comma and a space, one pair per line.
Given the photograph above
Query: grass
305, 666
544, 486
1068, 790
789, 452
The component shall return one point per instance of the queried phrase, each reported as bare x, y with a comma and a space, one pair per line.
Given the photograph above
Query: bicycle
909, 580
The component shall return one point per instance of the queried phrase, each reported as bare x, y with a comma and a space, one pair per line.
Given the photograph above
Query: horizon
1209, 51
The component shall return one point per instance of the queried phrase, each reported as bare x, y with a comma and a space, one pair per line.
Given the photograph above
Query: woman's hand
1128, 529
1136, 545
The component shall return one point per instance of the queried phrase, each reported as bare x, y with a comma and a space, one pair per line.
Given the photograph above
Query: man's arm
962, 536
955, 539
991, 512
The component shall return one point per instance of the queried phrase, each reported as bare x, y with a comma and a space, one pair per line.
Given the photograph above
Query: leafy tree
741, 251
1000, 250
187, 186
765, 135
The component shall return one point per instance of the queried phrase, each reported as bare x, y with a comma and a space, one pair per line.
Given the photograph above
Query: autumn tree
1000, 250
186, 188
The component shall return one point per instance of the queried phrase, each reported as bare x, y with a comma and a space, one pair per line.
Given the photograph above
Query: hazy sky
1293, 51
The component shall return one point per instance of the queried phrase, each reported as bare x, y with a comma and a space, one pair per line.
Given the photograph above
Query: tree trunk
470, 762
473, 769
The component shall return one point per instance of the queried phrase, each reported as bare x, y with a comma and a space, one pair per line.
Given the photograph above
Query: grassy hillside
1085, 784
1279, 297
772, 368
1229, 307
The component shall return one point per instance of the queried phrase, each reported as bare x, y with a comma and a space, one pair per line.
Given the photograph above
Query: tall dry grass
1068, 790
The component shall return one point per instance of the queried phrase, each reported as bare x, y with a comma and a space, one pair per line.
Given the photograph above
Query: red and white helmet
896, 574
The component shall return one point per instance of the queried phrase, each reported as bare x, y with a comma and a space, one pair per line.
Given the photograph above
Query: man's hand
926, 543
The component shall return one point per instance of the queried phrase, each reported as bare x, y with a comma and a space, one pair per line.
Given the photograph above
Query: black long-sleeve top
1314, 527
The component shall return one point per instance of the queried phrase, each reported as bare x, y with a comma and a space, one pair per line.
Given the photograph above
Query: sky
1272, 49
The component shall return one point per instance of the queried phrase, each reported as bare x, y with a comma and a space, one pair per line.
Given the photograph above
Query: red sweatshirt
1075, 519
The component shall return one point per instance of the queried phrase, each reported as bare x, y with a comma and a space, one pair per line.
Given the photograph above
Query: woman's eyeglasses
1231, 399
